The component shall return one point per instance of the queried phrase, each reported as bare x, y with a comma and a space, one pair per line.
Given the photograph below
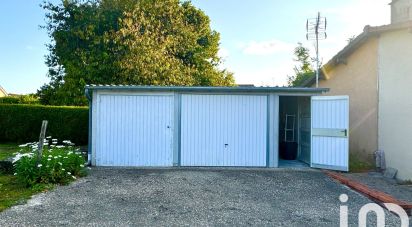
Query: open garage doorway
294, 131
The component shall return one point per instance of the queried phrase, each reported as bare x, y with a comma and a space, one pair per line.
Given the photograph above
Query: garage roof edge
207, 89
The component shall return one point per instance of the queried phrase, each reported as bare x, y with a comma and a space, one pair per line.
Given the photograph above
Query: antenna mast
316, 30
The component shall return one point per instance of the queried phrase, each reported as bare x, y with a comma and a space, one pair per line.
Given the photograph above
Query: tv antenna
316, 30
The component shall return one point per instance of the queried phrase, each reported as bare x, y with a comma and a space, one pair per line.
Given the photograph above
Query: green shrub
20, 99
20, 123
58, 165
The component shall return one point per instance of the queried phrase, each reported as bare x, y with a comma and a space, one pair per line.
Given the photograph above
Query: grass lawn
7, 150
13, 193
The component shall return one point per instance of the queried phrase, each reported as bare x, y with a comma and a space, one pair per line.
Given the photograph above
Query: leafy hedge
20, 99
22, 123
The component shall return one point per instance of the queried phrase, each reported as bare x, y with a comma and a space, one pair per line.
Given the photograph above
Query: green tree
144, 42
168, 43
304, 69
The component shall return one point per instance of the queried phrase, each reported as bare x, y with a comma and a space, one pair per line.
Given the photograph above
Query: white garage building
215, 126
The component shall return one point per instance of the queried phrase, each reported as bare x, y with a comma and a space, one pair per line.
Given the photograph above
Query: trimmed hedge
21, 99
21, 123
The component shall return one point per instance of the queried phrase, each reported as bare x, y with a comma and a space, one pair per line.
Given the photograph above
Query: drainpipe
89, 142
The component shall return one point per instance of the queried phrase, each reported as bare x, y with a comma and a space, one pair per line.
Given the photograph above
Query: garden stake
41, 140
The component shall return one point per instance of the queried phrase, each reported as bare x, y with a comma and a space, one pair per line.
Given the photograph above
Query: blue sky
257, 37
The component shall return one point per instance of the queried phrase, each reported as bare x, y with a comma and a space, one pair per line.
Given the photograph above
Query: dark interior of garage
294, 131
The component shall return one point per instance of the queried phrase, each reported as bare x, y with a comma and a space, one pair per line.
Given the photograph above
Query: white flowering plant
58, 164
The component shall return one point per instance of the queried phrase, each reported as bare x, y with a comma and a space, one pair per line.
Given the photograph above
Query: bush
20, 99
58, 165
20, 123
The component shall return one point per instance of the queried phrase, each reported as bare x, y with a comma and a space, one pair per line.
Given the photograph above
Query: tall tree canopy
303, 70
144, 42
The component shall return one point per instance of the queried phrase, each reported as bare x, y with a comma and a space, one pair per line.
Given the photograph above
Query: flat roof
207, 89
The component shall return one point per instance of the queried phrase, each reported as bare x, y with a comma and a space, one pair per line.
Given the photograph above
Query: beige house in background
3, 92
375, 70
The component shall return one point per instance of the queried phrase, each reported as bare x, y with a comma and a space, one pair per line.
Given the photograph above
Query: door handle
345, 132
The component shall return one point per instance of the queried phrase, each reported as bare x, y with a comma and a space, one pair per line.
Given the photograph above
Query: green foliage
304, 69
20, 99
358, 164
144, 42
168, 43
21, 123
57, 165
298, 79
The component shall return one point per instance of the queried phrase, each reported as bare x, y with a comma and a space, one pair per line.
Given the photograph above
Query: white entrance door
223, 130
134, 130
330, 128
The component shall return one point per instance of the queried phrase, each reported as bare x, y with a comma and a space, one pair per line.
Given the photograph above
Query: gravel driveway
192, 197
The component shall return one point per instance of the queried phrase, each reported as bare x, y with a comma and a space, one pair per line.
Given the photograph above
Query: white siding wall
395, 102
134, 130
223, 130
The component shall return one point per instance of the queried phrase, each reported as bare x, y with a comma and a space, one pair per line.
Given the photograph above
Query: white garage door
223, 130
330, 139
134, 130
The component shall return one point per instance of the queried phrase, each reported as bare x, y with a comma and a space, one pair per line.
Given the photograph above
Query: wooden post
41, 139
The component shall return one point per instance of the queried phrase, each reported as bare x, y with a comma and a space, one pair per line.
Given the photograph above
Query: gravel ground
390, 186
192, 197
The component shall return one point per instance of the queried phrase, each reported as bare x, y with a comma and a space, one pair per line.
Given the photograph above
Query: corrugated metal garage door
223, 130
330, 139
134, 130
